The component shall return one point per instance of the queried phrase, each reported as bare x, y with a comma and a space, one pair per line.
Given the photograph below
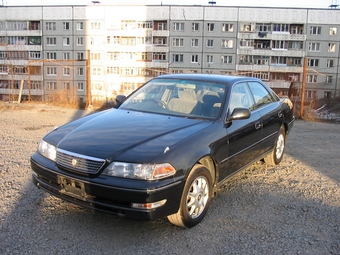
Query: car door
271, 116
243, 136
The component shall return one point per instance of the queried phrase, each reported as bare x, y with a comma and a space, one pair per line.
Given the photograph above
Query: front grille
79, 163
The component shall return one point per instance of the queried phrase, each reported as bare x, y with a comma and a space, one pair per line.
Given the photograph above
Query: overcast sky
261, 3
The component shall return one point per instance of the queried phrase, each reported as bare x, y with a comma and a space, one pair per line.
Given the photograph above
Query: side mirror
119, 100
238, 114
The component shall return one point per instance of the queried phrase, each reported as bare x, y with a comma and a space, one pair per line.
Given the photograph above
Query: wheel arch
210, 164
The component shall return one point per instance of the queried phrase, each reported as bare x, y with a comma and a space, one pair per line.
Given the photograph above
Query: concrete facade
118, 48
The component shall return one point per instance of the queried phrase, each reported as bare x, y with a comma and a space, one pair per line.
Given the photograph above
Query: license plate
72, 188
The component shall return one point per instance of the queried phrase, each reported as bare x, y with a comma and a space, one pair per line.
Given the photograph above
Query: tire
195, 199
276, 156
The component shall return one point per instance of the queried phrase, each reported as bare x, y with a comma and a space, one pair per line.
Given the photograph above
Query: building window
332, 30
315, 30
67, 85
195, 27
226, 59
96, 71
51, 71
128, 41
194, 42
80, 71
80, 55
51, 26
177, 58
261, 75
3, 55
194, 58
95, 56
159, 41
127, 86
35, 84
280, 28
66, 25
210, 43
226, 27
51, 85
177, 42
313, 62
51, 41
110, 70
295, 45
80, 41
227, 43
211, 27
280, 45
159, 56
162, 26
34, 40
329, 79
178, 26
331, 47
145, 24
327, 94
80, 86
313, 46
310, 94
210, 59
67, 71
263, 28
66, 41
95, 25
66, 55
330, 63
51, 55
80, 25
312, 78
35, 55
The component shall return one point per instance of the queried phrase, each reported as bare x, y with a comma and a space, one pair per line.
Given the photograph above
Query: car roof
228, 79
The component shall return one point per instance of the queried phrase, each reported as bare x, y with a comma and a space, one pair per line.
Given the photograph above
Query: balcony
164, 33
33, 92
270, 68
270, 52
157, 64
272, 36
278, 84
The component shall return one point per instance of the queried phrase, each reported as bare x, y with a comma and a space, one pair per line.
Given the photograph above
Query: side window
261, 95
240, 97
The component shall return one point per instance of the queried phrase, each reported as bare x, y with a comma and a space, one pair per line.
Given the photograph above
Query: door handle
258, 125
280, 114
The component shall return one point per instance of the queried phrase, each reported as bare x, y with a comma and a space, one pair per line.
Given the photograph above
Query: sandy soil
293, 208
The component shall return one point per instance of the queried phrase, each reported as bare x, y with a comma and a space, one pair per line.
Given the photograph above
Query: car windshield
178, 97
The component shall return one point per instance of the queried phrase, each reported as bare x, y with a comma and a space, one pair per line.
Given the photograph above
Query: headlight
47, 150
140, 171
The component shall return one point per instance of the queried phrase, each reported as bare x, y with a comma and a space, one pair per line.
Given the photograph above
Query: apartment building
112, 50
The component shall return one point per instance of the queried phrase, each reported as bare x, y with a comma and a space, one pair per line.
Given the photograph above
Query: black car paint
235, 145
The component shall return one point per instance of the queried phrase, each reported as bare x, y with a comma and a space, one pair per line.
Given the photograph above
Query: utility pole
303, 89
88, 80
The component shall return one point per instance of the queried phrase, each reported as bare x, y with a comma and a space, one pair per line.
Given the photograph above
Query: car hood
121, 134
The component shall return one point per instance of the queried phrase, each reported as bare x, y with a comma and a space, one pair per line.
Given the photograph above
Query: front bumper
108, 194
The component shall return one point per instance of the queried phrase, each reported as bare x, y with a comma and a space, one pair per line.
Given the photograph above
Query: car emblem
74, 162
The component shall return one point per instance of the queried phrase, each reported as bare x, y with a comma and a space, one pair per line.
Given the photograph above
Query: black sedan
166, 148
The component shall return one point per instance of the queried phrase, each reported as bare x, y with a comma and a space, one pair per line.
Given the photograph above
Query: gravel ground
293, 208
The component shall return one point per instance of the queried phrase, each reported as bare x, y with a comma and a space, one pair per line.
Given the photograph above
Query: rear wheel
195, 200
275, 157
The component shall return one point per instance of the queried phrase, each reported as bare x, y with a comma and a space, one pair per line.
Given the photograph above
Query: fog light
149, 205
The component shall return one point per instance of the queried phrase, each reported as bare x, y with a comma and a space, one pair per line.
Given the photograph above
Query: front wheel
275, 157
195, 200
